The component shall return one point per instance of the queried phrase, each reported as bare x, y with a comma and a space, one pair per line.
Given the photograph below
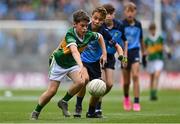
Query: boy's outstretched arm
101, 42
76, 55
119, 49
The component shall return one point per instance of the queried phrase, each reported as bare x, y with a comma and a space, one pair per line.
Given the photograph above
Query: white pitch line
35, 98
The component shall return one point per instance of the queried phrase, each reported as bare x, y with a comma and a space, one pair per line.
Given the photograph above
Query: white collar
81, 40
153, 38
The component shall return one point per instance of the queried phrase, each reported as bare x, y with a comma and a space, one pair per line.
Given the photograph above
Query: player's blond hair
100, 10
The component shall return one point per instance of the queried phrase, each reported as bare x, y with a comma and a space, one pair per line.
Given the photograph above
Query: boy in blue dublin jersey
134, 35
116, 30
91, 60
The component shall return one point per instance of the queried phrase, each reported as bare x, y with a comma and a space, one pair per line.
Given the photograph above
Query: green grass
17, 109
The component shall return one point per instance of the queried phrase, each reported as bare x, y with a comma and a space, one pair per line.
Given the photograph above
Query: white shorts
153, 66
57, 73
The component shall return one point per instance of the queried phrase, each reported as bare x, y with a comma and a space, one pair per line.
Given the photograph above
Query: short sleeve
70, 40
94, 35
106, 35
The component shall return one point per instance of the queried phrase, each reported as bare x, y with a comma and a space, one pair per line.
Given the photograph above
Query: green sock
38, 108
153, 93
67, 97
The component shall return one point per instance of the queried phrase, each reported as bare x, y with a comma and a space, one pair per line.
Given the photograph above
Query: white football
96, 87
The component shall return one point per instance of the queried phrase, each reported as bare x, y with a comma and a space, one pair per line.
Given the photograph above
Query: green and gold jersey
154, 47
63, 54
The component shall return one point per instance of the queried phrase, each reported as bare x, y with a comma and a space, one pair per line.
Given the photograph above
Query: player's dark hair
100, 10
109, 8
130, 6
80, 15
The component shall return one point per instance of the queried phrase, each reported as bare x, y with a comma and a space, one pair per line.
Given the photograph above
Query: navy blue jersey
93, 52
117, 33
133, 33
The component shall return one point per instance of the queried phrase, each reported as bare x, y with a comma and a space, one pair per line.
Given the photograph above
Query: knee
156, 76
135, 77
81, 83
86, 80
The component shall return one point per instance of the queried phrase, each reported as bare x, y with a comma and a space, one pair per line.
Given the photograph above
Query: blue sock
98, 106
91, 110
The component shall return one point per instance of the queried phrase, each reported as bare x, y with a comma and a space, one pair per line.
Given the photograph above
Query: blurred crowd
61, 9
14, 42
171, 24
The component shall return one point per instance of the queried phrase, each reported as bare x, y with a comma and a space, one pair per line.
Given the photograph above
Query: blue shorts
133, 57
94, 70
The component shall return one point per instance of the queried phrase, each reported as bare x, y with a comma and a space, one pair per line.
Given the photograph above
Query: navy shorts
133, 57
94, 70
110, 62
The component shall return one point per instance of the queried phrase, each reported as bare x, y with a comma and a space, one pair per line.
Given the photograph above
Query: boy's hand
144, 61
81, 70
124, 60
103, 60
168, 51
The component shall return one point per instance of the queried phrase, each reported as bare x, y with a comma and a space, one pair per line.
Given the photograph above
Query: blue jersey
134, 34
93, 52
117, 33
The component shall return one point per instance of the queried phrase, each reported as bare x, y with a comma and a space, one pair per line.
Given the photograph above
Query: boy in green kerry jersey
154, 45
66, 60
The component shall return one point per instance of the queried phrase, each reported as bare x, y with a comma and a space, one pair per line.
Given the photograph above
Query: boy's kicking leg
45, 98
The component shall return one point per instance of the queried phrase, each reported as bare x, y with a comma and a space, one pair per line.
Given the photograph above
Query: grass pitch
18, 107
